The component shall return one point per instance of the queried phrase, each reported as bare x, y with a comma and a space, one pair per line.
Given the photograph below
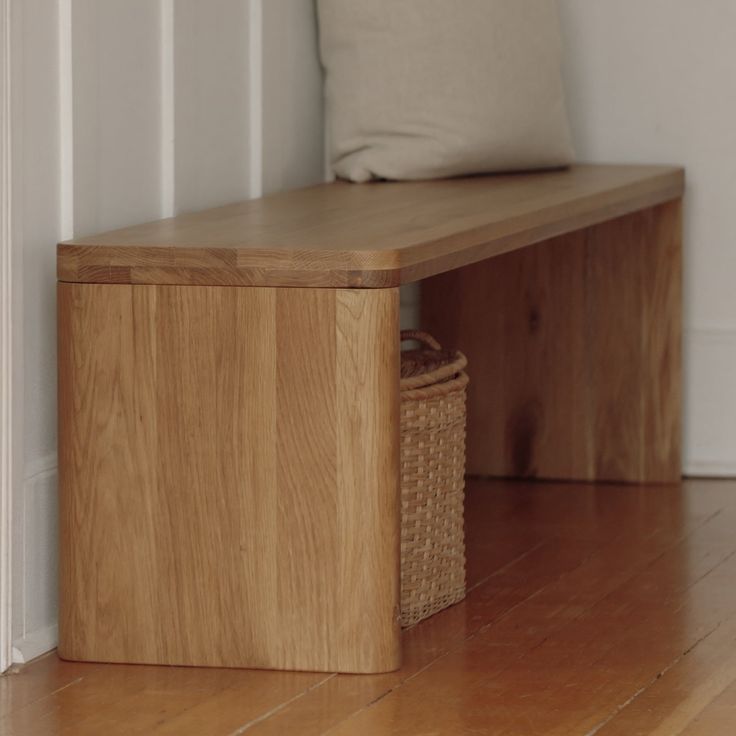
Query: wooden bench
228, 396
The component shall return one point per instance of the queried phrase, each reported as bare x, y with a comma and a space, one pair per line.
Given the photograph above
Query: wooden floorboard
604, 609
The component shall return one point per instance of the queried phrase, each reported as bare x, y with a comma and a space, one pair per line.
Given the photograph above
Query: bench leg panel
574, 349
229, 476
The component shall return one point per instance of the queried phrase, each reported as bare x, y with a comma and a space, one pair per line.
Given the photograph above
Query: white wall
653, 81
293, 150
131, 110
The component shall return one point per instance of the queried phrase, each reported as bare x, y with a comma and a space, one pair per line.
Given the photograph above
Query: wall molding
8, 348
35, 644
255, 92
168, 110
66, 122
712, 333
710, 401
40, 466
36, 592
710, 469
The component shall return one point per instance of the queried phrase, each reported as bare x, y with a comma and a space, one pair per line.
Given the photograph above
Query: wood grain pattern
379, 235
592, 609
228, 476
574, 351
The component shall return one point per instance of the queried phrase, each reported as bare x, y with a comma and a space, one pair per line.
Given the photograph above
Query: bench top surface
366, 235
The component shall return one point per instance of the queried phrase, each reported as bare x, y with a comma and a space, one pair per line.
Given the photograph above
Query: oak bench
228, 396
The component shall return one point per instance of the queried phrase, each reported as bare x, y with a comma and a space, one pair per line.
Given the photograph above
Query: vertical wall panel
210, 102
293, 125
116, 113
132, 110
36, 213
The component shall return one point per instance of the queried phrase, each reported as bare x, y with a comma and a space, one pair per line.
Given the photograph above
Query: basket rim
435, 390
440, 375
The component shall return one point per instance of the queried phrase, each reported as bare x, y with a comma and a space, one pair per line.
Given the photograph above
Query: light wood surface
592, 609
574, 352
229, 476
374, 235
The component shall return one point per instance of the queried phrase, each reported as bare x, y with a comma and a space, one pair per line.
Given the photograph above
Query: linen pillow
419, 89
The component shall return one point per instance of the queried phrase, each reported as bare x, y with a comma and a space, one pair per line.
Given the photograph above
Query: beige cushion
432, 88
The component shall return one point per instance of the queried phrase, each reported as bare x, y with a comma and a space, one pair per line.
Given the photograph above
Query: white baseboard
11, 315
34, 588
35, 644
40, 466
710, 402
710, 469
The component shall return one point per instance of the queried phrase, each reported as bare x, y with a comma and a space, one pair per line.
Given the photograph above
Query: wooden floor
606, 610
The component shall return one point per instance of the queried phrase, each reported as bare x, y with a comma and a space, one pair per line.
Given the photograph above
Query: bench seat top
375, 235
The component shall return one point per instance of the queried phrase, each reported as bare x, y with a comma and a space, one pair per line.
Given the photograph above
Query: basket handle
442, 373
423, 337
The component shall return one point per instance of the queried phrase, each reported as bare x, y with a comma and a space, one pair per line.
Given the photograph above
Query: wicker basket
432, 478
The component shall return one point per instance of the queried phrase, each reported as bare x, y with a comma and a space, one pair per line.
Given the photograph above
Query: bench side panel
229, 476
574, 352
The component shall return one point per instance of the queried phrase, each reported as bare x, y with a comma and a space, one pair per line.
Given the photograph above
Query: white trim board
710, 401
7, 356
255, 82
35, 644
36, 550
40, 466
168, 110
66, 122
710, 469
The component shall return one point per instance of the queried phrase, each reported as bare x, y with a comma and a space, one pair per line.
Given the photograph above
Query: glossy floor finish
606, 610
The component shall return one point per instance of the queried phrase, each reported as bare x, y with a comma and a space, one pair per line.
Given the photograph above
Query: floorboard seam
508, 565
458, 644
537, 592
481, 629
416, 674
242, 729
649, 684
13, 673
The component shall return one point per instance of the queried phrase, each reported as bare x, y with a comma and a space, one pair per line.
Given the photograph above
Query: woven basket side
432, 495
